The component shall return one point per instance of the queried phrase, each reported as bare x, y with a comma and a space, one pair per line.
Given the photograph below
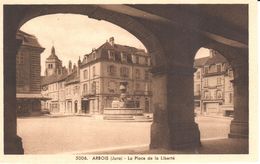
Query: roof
72, 78
28, 39
200, 62
102, 52
53, 55
209, 60
216, 58
45, 80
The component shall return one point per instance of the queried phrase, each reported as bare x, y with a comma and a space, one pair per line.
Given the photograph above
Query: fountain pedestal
124, 108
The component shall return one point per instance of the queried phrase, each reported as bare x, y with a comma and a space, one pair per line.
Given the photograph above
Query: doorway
76, 106
85, 106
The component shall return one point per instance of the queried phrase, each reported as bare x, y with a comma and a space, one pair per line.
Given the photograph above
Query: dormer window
137, 59
218, 67
206, 69
94, 55
212, 68
147, 61
133, 58
111, 55
123, 57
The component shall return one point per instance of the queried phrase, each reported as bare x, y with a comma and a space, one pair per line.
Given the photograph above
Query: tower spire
53, 50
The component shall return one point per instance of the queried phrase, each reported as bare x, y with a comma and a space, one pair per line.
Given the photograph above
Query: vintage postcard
129, 81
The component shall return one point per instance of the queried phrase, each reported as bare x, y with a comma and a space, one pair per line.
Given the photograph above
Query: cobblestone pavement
44, 135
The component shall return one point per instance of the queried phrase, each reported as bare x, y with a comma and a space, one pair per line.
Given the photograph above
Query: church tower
53, 65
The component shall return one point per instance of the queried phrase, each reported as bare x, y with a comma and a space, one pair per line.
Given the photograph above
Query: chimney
112, 41
70, 67
212, 53
79, 63
74, 67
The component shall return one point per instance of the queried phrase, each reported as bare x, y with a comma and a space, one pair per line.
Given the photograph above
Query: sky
73, 36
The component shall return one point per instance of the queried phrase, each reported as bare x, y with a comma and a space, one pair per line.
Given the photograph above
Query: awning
31, 96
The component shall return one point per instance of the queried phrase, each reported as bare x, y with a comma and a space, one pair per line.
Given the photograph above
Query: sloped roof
28, 39
45, 80
72, 78
200, 62
217, 58
53, 55
209, 60
117, 49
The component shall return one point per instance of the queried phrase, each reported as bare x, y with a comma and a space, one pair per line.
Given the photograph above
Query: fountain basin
123, 111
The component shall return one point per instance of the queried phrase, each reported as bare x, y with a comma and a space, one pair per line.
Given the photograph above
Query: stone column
239, 125
173, 98
12, 142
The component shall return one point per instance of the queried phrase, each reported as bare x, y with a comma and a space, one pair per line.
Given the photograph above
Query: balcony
88, 94
213, 73
212, 99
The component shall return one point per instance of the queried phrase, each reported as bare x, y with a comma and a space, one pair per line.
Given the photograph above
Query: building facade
103, 69
213, 90
28, 68
92, 85
58, 85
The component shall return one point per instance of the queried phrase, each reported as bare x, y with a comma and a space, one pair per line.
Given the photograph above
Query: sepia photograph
129, 82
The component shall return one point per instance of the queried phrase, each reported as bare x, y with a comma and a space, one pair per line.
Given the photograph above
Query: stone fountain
123, 107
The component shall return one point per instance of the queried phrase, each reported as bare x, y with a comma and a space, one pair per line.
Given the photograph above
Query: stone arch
126, 22
16, 15
238, 58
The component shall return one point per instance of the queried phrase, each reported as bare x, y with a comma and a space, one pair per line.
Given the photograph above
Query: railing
212, 98
88, 93
213, 73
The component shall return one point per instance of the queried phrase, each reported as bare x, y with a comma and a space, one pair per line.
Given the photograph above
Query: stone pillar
12, 142
173, 98
239, 125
